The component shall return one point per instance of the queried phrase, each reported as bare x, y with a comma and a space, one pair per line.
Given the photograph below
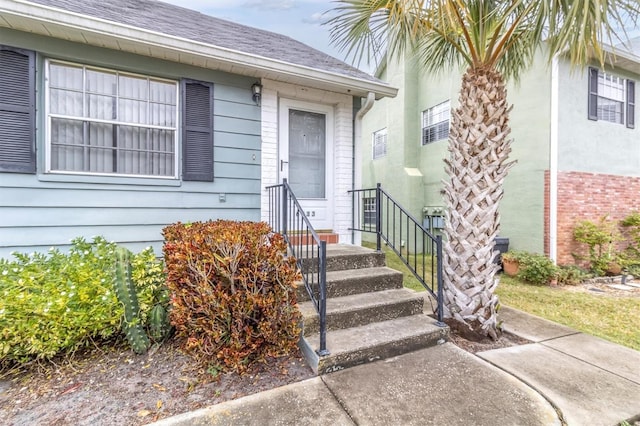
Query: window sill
108, 180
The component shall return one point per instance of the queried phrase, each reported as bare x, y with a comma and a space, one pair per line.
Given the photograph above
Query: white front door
305, 157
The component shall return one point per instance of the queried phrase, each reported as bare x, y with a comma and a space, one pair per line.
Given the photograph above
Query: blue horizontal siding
134, 236
40, 211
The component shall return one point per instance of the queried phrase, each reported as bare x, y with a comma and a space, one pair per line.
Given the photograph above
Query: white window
435, 123
379, 143
611, 98
369, 209
108, 122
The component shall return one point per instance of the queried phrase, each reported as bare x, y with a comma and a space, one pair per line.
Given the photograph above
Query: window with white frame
380, 143
107, 122
611, 98
435, 123
369, 209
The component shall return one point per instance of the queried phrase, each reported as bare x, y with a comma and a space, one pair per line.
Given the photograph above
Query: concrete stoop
370, 316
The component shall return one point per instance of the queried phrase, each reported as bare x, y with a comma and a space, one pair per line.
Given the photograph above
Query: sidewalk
588, 381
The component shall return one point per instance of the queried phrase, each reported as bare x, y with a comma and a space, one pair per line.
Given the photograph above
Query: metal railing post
440, 281
378, 218
323, 298
285, 197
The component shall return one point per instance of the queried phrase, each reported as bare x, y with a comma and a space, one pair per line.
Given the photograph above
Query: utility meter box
433, 218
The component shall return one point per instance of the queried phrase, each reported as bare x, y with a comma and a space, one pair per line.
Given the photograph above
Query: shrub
536, 268
571, 275
630, 258
150, 281
599, 237
232, 292
513, 255
57, 302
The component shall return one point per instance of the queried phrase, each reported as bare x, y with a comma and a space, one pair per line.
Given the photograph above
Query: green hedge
57, 302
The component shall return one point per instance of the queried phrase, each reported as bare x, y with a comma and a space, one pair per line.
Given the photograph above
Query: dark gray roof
189, 24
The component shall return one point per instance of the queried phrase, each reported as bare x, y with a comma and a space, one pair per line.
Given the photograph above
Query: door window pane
307, 153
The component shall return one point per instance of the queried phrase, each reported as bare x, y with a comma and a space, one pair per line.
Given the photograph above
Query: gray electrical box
433, 218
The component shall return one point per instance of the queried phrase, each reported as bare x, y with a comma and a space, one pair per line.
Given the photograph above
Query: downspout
356, 165
553, 162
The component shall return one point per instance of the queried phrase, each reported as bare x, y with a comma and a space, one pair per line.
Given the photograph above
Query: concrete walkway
590, 380
563, 376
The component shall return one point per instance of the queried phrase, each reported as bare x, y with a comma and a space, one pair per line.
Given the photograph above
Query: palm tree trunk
479, 149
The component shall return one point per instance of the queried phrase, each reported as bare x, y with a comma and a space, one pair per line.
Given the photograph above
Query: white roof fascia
623, 58
252, 64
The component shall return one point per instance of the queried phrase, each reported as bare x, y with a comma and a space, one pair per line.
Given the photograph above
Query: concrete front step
372, 342
355, 281
362, 309
344, 256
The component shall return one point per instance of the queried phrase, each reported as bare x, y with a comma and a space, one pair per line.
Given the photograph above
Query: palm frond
580, 28
491, 34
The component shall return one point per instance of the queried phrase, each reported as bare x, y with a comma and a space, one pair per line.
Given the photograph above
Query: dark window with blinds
17, 110
435, 123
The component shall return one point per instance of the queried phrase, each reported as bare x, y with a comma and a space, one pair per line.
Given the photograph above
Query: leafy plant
599, 237
513, 255
147, 273
536, 268
232, 292
54, 303
571, 275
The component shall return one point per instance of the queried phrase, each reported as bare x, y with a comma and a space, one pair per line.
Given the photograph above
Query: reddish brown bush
232, 291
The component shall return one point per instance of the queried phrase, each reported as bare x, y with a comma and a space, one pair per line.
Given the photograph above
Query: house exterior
575, 140
118, 118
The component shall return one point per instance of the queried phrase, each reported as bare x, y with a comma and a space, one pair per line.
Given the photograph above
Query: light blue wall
43, 210
522, 208
594, 146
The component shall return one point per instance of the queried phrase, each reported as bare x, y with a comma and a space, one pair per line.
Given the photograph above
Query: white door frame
310, 205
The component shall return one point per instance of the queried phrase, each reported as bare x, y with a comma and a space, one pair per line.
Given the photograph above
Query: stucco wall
593, 146
522, 208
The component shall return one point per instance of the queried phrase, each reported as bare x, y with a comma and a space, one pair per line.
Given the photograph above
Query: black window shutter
593, 93
197, 131
17, 110
631, 104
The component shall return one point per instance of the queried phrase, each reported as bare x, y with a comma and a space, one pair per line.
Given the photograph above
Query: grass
611, 318
394, 262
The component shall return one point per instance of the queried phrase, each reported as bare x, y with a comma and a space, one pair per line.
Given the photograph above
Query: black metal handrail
375, 211
287, 217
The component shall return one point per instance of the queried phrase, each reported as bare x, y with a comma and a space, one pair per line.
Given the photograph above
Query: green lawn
394, 262
613, 318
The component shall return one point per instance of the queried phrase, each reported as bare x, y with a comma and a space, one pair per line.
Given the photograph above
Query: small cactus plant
158, 323
126, 292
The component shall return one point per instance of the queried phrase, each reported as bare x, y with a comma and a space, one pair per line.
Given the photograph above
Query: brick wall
588, 196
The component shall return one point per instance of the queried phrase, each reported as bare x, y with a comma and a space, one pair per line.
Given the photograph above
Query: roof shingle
189, 24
